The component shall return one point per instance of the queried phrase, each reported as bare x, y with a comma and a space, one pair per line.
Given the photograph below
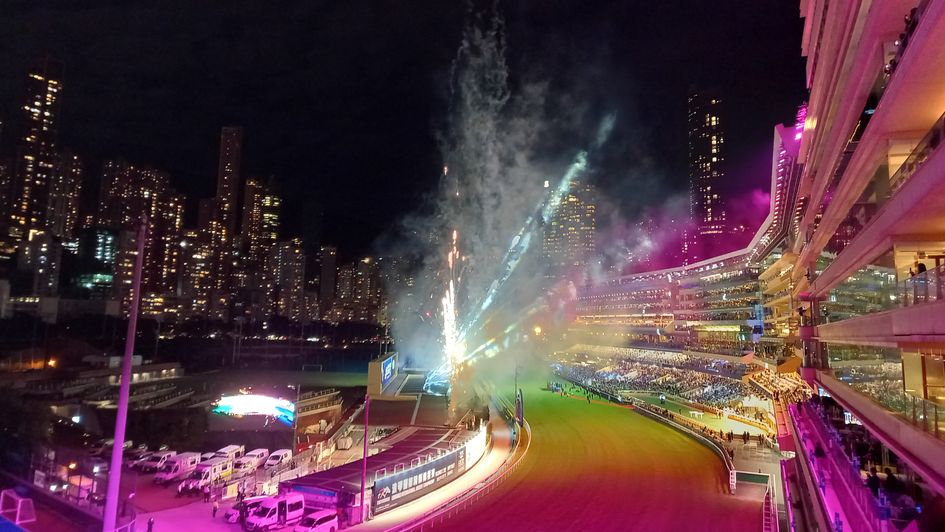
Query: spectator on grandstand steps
873, 482
892, 485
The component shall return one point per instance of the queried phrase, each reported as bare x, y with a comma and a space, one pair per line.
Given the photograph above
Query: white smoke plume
495, 154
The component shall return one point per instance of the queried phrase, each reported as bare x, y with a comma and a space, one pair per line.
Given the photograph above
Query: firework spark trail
545, 211
453, 346
454, 336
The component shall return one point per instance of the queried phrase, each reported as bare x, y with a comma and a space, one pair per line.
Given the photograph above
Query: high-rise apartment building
358, 296
706, 172
62, 216
96, 259
40, 258
222, 228
6, 191
287, 264
194, 274
260, 232
129, 192
328, 259
228, 178
36, 154
568, 239
261, 210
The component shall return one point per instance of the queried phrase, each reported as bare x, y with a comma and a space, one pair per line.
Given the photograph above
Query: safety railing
769, 518
929, 143
833, 467
920, 413
461, 502
925, 287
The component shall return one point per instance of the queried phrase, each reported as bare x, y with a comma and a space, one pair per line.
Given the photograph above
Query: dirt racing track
604, 467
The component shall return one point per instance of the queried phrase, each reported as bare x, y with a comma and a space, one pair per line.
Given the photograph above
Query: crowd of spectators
666, 358
626, 374
883, 473
788, 388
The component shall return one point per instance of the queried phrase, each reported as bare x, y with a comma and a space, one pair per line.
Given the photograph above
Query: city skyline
662, 241
388, 166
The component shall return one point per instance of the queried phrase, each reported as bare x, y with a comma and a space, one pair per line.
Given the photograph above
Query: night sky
342, 100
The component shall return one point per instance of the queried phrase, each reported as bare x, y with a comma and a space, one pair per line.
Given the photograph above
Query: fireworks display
456, 331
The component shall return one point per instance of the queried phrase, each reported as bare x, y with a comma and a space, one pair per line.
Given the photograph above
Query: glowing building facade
706, 173
328, 261
127, 193
36, 160
260, 232
568, 239
62, 216
221, 226
287, 264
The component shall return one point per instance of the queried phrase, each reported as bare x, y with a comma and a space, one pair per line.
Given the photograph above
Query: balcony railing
925, 287
921, 413
919, 155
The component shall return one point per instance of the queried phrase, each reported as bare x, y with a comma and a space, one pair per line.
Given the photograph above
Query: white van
207, 473
155, 461
319, 521
278, 458
244, 466
277, 512
258, 456
177, 467
231, 451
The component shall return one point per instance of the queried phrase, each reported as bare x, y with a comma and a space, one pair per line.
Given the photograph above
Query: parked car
258, 456
278, 458
134, 456
247, 506
318, 521
155, 461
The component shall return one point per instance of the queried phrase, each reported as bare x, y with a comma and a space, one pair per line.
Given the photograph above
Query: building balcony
912, 102
912, 217
912, 427
913, 324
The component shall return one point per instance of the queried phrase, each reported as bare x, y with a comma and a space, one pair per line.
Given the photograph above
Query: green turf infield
601, 466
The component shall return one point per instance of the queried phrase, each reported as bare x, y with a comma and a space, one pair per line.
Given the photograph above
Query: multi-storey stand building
846, 273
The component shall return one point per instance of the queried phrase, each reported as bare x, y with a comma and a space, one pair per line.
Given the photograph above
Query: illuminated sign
387, 371
393, 490
256, 405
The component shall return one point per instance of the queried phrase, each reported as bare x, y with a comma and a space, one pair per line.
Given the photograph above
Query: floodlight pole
367, 406
110, 517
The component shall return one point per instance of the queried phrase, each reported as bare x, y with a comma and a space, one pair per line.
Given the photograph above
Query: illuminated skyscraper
261, 210
223, 226
287, 264
96, 261
228, 177
706, 172
36, 154
568, 239
260, 231
194, 274
6, 191
328, 256
127, 193
62, 217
